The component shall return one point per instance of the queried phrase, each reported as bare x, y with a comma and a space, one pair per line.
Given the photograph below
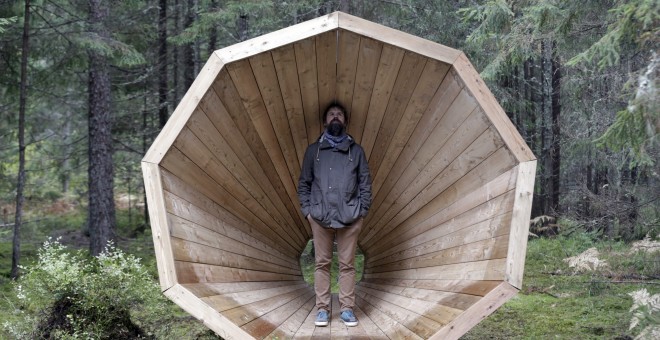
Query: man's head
335, 118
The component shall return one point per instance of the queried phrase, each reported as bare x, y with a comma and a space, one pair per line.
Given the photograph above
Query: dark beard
335, 128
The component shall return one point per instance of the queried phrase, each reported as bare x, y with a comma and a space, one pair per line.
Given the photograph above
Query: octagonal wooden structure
446, 236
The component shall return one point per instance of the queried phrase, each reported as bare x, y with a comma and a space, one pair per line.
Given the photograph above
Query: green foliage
68, 295
6, 22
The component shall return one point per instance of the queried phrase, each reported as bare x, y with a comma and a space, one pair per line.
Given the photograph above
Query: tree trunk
16, 241
555, 147
213, 35
242, 27
176, 51
101, 220
163, 111
189, 50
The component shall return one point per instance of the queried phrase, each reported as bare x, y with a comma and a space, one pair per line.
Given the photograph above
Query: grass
554, 303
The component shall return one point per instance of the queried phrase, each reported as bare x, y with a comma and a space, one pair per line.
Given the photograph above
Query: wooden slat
390, 327
493, 110
406, 81
223, 302
348, 50
388, 68
446, 207
289, 328
365, 75
190, 272
454, 300
472, 287
284, 59
373, 331
182, 167
205, 289
452, 134
490, 270
203, 312
468, 162
307, 76
193, 206
153, 186
522, 208
326, 65
189, 102
260, 169
429, 82
306, 330
432, 125
248, 312
397, 38
248, 90
478, 312
337, 328
265, 74
451, 233
428, 309
279, 38
248, 196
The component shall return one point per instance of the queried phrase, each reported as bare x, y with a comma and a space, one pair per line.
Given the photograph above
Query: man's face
335, 114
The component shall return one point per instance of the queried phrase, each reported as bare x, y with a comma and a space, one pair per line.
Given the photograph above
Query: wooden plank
368, 325
289, 328
194, 206
237, 137
490, 270
306, 330
153, 186
390, 327
365, 75
337, 328
424, 131
260, 188
451, 233
326, 65
265, 74
308, 78
181, 166
427, 309
493, 110
250, 198
451, 204
203, 312
190, 272
488, 249
398, 38
348, 48
278, 38
388, 68
189, 102
204, 289
427, 86
248, 90
248, 312
284, 59
471, 317
409, 74
223, 302
440, 176
472, 287
454, 300
522, 208
221, 254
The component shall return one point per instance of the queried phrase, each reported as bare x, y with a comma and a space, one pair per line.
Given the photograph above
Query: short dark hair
340, 107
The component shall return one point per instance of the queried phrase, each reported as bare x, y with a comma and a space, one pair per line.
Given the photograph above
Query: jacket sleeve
364, 184
305, 181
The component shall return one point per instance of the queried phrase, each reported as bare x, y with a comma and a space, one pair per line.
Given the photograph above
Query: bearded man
335, 194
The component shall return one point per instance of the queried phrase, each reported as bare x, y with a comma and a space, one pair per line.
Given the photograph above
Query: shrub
66, 294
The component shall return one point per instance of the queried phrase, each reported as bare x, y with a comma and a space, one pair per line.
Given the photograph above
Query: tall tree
16, 248
163, 111
101, 220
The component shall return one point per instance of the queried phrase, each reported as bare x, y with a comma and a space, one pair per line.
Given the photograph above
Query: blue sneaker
349, 318
322, 318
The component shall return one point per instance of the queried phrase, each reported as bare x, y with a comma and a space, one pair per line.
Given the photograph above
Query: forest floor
591, 300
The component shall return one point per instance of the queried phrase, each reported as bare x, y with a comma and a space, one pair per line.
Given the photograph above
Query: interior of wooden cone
445, 238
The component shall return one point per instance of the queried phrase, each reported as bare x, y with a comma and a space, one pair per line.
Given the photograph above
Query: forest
86, 86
